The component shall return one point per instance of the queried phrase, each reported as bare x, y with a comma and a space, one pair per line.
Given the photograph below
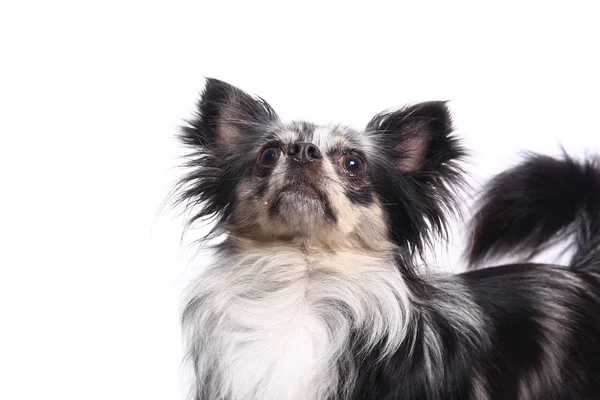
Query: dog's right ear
224, 114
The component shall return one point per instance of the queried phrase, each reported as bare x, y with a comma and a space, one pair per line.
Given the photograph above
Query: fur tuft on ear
419, 135
224, 113
419, 173
220, 136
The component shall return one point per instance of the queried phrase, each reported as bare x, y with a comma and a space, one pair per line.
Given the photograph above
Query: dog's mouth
299, 197
303, 189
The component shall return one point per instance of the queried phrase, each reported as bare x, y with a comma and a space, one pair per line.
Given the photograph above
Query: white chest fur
275, 323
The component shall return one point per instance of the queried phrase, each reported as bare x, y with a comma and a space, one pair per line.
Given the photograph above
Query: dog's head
326, 185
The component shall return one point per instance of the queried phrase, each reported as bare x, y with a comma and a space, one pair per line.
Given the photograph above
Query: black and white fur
313, 293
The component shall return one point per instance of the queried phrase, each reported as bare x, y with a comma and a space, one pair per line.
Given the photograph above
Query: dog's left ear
418, 172
418, 137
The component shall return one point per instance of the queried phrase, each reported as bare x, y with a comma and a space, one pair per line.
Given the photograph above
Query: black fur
405, 375
535, 204
215, 168
418, 202
362, 196
541, 330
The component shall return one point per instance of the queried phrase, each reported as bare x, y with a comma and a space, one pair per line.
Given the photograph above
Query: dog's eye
270, 156
353, 164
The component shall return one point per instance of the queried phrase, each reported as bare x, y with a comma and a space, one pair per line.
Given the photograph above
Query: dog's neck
282, 317
312, 244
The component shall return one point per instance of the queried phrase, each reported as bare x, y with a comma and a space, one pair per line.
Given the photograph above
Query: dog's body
314, 293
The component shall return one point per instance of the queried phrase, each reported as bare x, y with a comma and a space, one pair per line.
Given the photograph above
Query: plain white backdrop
91, 97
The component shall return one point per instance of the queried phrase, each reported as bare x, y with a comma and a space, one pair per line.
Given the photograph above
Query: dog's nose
304, 152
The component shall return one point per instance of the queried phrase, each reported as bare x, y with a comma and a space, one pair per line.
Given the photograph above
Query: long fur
314, 293
542, 201
538, 203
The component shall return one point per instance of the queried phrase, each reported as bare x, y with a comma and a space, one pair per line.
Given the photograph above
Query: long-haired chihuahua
314, 291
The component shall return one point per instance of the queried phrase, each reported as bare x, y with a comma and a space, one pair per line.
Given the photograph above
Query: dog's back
553, 353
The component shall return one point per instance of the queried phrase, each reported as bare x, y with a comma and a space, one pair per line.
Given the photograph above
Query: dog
314, 291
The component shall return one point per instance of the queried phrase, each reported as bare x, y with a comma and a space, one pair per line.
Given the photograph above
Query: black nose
304, 152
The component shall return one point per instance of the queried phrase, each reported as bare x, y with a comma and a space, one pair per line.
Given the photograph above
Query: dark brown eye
270, 156
353, 164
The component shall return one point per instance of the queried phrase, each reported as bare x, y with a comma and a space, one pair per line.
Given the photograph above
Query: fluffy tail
536, 204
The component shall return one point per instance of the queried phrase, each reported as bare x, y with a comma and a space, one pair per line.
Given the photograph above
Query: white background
91, 94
